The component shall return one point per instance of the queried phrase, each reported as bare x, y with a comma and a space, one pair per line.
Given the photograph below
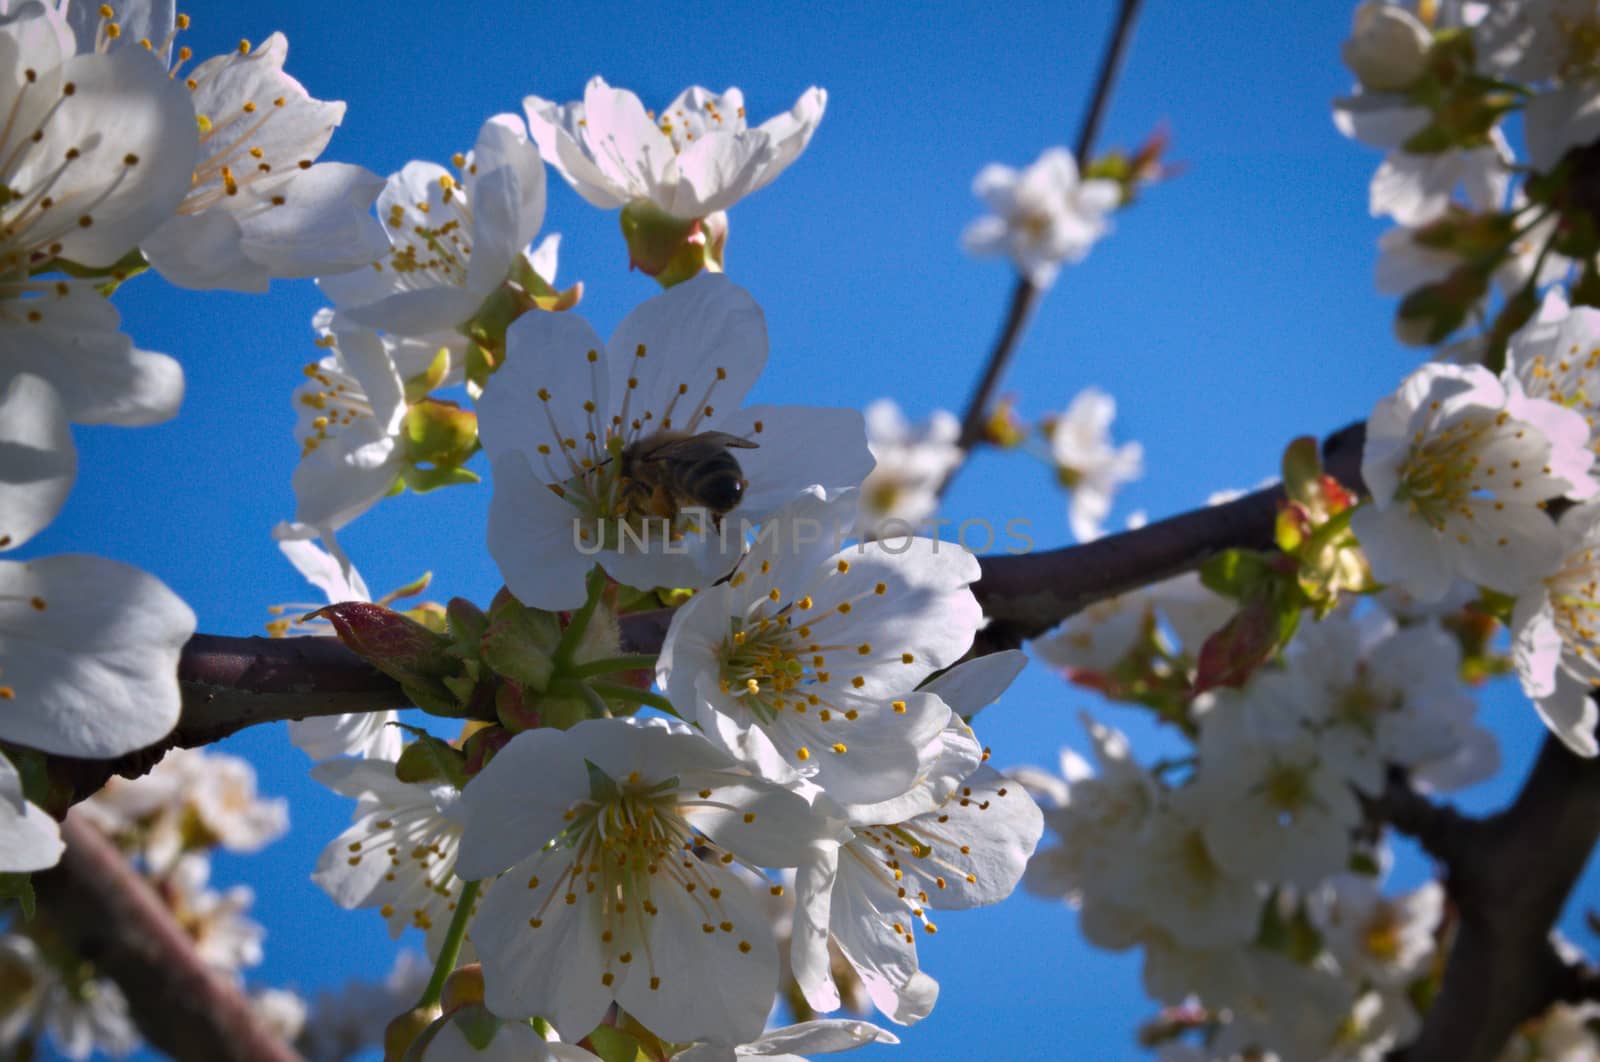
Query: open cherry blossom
259, 205
696, 157
559, 417
453, 240
806, 662
1044, 216
613, 842
1459, 466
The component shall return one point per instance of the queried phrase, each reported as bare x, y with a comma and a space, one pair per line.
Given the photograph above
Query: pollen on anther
802, 753
535, 923
840, 748
899, 707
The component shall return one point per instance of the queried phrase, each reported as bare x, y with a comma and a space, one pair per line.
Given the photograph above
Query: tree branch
1025, 595
1025, 295
1510, 875
107, 913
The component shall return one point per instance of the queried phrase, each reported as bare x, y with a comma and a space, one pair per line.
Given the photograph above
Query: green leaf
18, 887
614, 1045
429, 759
603, 789
1236, 572
519, 642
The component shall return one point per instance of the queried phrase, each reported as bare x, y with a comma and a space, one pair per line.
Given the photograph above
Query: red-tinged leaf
481, 746
1261, 627
515, 709
400, 647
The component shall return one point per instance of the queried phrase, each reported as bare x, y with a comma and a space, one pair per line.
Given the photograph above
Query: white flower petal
38, 462
89, 647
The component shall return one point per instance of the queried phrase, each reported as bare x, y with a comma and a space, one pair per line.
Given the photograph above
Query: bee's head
722, 493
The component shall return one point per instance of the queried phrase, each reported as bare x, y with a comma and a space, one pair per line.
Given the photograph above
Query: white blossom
1296, 1011
40, 462
871, 890
69, 335
1099, 819
1095, 639
399, 853
1563, 1033
1556, 357
452, 240
1086, 461
1388, 46
79, 1014
1553, 634
191, 799
1416, 189
1170, 875
821, 1037
806, 662
29, 837
370, 735
913, 462
224, 938
88, 655
1375, 694
280, 1010
259, 206
1273, 808
98, 148
1458, 464
698, 156
1532, 40
350, 417
1384, 941
588, 910
557, 418
1042, 217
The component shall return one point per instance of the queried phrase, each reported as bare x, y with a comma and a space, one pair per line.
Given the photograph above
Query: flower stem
618, 691
451, 949
596, 583
634, 662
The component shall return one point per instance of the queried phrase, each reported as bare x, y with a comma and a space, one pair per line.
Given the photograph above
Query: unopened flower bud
462, 987
401, 648
1388, 47
404, 1030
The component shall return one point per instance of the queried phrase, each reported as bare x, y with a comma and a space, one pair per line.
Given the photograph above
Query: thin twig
1025, 295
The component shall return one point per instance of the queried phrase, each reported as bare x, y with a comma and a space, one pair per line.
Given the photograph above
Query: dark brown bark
1509, 875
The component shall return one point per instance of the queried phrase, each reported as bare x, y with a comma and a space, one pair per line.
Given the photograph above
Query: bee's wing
722, 438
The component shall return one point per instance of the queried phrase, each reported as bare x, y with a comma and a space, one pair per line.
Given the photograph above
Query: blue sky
1231, 310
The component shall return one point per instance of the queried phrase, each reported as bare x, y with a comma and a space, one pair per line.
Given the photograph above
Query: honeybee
669, 470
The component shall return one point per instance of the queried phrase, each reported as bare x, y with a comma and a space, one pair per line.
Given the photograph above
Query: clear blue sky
1230, 311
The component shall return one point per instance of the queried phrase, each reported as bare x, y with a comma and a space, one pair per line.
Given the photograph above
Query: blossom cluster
1437, 87
802, 759
1230, 865
1249, 868
121, 156
167, 823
